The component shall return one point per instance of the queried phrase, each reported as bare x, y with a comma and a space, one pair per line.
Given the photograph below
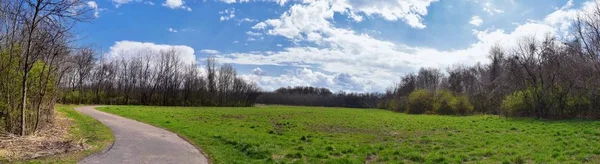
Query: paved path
139, 143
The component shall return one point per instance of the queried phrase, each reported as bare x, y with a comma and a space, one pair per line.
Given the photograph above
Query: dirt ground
52, 140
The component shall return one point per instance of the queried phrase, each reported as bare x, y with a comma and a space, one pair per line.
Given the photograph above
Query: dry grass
53, 140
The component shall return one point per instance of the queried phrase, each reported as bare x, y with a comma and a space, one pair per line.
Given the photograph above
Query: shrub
398, 104
518, 103
461, 105
441, 102
419, 102
446, 103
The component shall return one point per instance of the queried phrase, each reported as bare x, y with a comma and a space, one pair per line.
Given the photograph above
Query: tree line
542, 78
154, 78
314, 96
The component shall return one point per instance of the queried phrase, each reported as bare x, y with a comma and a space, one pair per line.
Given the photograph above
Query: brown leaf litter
53, 140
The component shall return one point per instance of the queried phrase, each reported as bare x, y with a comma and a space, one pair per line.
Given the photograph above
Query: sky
350, 45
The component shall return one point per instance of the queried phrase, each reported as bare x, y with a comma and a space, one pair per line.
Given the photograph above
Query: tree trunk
24, 101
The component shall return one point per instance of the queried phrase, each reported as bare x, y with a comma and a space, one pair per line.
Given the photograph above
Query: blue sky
352, 45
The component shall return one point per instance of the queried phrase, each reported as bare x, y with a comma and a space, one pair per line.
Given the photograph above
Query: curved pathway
138, 143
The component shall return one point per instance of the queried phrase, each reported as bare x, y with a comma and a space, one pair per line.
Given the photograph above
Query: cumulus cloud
476, 21
132, 49
410, 12
176, 4
172, 30
308, 77
563, 17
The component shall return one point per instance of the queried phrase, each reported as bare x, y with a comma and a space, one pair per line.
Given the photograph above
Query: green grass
96, 134
281, 134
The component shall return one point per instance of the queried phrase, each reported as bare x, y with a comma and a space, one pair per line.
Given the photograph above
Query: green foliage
518, 103
397, 104
40, 88
283, 134
578, 103
419, 102
461, 105
556, 103
446, 103
441, 102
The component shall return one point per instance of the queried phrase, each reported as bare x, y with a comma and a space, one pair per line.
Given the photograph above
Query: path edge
108, 147
210, 161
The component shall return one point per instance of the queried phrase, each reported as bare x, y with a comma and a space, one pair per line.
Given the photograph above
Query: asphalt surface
138, 143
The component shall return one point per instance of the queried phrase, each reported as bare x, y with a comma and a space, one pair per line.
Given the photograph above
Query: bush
441, 102
461, 105
398, 104
419, 102
518, 103
446, 103
578, 104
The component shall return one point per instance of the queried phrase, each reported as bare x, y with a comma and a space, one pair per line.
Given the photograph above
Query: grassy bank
84, 129
341, 135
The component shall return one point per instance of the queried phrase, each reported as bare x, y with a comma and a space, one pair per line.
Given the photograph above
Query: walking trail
136, 142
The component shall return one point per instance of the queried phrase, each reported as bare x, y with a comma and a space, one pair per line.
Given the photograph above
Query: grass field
93, 132
280, 134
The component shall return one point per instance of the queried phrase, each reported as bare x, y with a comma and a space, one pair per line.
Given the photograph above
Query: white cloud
260, 25
118, 3
227, 14
253, 33
258, 71
476, 21
280, 2
308, 77
176, 4
246, 20
491, 9
209, 51
564, 16
314, 19
131, 49
410, 12
174, 30
94, 6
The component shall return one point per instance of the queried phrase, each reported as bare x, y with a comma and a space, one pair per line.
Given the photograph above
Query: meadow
286, 134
